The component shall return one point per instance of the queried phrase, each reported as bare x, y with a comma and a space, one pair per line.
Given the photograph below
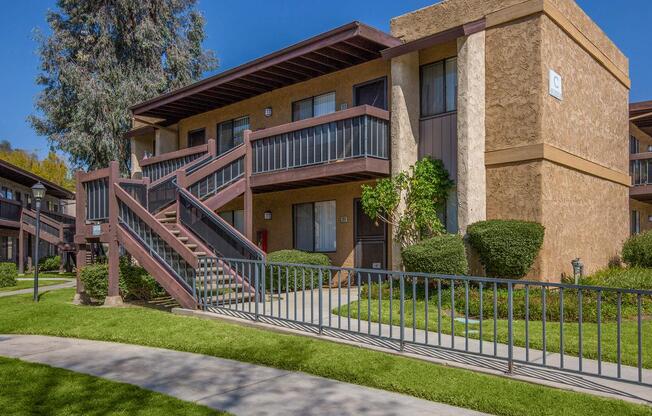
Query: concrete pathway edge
222, 384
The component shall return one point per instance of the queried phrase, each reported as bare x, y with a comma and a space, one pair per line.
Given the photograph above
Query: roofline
37, 178
354, 28
641, 106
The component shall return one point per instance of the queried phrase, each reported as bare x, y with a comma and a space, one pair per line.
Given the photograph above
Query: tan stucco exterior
521, 153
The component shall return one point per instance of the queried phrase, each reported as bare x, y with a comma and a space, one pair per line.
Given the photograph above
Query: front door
370, 240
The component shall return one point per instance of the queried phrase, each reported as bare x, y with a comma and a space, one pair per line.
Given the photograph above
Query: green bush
95, 278
444, 254
285, 275
507, 248
637, 250
8, 274
49, 263
136, 283
626, 278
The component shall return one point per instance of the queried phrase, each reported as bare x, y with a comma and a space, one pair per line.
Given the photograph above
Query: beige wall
279, 228
341, 82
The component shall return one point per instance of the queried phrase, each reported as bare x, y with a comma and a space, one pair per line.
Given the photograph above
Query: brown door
370, 240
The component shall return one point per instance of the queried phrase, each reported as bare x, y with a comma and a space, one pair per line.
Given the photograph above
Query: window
636, 223
234, 218
231, 133
634, 145
313, 107
373, 93
439, 87
315, 226
196, 137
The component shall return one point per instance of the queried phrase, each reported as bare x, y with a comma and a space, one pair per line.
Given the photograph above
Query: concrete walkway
239, 388
42, 289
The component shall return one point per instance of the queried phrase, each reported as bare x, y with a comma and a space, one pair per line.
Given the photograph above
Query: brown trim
542, 151
226, 195
641, 192
186, 151
230, 157
159, 228
92, 176
435, 39
343, 167
340, 34
9, 224
140, 131
315, 121
54, 189
640, 156
640, 106
170, 284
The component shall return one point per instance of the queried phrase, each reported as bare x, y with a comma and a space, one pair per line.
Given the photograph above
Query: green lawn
629, 334
55, 315
36, 389
25, 284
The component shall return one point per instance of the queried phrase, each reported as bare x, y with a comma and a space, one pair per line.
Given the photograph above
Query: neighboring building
524, 101
640, 165
17, 218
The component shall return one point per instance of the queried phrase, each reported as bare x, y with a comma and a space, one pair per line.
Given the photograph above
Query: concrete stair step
191, 246
170, 214
182, 239
167, 220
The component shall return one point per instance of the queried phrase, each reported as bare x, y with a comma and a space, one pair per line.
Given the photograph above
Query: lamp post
38, 192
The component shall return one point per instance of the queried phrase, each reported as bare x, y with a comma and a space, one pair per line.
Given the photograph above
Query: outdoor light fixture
38, 192
268, 111
267, 215
578, 269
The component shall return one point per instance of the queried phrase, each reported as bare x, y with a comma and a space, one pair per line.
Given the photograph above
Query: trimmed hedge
95, 278
637, 250
507, 248
286, 274
8, 274
135, 283
443, 254
49, 263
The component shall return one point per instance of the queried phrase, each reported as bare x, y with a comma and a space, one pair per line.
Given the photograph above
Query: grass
629, 334
54, 315
36, 389
25, 284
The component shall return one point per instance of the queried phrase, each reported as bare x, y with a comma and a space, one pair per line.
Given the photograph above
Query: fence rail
157, 167
596, 331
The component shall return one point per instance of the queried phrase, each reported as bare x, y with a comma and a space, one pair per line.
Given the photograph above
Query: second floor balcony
640, 167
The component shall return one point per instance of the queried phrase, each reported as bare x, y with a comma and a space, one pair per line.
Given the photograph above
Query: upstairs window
231, 133
373, 93
634, 145
439, 87
196, 137
316, 106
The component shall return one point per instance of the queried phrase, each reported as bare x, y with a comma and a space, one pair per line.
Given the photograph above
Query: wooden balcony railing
10, 210
159, 166
640, 168
354, 133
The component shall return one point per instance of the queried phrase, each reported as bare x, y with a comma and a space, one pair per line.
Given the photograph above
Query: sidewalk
239, 388
42, 289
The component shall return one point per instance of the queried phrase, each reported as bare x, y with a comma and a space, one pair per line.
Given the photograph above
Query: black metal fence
597, 331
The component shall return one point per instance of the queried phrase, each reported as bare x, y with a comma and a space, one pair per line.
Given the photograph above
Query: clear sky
239, 30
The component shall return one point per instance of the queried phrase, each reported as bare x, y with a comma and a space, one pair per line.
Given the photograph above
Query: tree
52, 168
104, 56
422, 190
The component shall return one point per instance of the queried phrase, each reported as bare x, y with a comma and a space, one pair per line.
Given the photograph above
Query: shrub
95, 278
507, 248
443, 254
304, 275
626, 278
49, 263
136, 283
637, 250
8, 274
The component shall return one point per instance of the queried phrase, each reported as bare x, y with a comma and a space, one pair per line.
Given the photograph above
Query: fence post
402, 309
256, 287
321, 318
510, 329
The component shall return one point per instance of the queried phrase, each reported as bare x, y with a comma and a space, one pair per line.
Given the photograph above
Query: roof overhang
641, 115
23, 177
340, 48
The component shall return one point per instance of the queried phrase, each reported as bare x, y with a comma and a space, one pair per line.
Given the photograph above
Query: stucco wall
341, 82
280, 227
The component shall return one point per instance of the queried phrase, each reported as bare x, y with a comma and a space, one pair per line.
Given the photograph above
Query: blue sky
242, 30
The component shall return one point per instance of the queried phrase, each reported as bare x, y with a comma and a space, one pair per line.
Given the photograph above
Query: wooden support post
21, 249
248, 194
113, 296
81, 262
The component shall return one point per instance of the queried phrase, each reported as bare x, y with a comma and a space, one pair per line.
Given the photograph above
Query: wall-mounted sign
555, 85
97, 229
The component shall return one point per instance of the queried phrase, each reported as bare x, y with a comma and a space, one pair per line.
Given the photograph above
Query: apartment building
526, 102
640, 165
